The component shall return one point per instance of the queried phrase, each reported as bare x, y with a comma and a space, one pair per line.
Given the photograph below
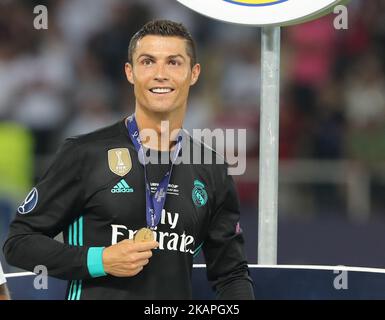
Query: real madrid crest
199, 194
119, 161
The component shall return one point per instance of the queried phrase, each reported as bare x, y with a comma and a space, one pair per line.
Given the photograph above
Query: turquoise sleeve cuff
95, 262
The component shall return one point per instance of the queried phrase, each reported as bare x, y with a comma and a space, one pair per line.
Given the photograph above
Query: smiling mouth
159, 90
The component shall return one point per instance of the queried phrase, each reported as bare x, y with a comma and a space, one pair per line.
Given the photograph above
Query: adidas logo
122, 187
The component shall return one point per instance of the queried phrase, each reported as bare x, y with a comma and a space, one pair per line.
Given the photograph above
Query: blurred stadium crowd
70, 79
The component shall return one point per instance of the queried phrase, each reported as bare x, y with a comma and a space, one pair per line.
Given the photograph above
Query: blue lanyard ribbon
154, 203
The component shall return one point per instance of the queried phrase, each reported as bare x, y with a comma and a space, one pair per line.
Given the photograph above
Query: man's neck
164, 125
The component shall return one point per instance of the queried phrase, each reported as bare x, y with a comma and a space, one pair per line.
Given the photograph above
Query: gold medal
144, 235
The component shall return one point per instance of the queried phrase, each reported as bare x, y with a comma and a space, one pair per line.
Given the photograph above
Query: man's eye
147, 62
174, 63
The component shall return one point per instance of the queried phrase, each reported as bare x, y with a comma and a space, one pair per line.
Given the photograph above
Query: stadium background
69, 79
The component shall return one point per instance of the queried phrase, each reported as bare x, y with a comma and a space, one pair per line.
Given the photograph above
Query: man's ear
129, 72
195, 71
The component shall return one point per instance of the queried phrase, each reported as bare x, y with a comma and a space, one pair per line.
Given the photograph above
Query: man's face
161, 73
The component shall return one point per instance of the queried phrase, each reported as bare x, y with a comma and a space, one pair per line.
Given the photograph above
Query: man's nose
161, 72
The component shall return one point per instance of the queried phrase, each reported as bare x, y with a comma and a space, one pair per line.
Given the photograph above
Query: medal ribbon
154, 203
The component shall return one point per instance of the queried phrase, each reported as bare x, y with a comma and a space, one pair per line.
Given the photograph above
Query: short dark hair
165, 28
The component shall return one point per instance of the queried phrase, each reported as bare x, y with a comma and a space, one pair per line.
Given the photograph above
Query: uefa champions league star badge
29, 203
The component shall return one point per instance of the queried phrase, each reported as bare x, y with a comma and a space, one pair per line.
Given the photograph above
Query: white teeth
161, 90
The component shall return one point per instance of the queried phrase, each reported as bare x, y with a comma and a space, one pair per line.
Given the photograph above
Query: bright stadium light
263, 12
270, 15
